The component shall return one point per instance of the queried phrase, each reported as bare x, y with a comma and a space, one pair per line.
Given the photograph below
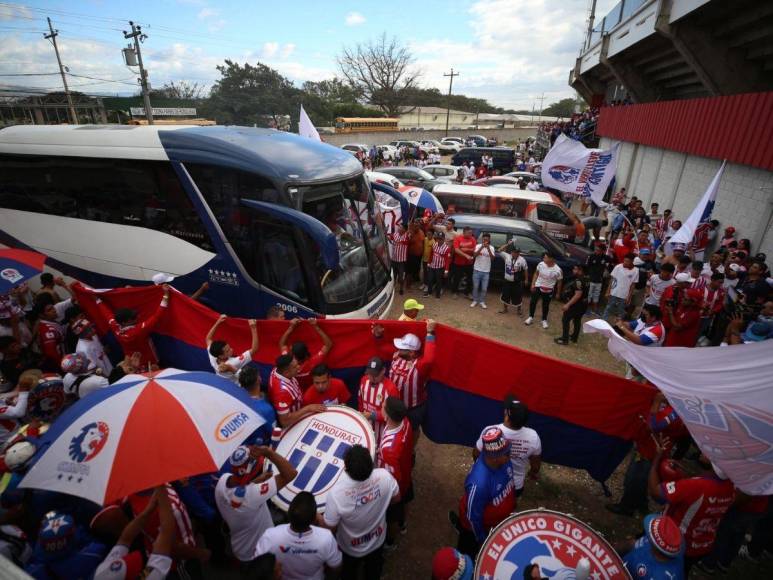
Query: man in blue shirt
659, 553
249, 379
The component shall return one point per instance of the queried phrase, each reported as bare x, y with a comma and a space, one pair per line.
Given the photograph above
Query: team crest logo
316, 447
47, 398
11, 274
555, 542
87, 444
564, 173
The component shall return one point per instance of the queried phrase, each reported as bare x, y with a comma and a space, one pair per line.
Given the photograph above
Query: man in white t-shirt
356, 509
221, 354
622, 280
545, 284
658, 283
484, 254
242, 496
90, 345
525, 444
305, 552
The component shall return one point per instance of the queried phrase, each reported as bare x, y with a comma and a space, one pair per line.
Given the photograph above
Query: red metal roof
738, 128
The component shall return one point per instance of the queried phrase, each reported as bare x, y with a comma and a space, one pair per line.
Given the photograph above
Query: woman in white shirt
545, 283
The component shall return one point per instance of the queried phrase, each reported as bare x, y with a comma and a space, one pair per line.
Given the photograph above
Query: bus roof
502, 192
283, 156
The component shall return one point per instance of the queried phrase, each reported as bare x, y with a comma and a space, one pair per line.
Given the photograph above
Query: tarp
724, 394
586, 418
570, 166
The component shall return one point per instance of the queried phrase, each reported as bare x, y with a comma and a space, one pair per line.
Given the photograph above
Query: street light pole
452, 74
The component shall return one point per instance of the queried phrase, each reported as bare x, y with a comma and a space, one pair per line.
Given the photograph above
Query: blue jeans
615, 306
479, 285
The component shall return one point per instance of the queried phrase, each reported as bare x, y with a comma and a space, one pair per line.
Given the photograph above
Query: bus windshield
348, 209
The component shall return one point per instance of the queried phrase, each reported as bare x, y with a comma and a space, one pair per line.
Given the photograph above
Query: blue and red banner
16, 266
586, 418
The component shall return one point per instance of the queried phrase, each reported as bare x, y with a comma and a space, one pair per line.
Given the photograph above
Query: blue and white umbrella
422, 198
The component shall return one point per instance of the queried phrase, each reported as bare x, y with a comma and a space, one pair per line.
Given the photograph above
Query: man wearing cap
439, 262
659, 553
450, 564
375, 388
696, 504
242, 496
411, 309
409, 370
525, 444
299, 350
80, 377
489, 493
674, 294
683, 323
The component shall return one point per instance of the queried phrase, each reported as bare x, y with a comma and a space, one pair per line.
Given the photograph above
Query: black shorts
399, 268
416, 415
396, 511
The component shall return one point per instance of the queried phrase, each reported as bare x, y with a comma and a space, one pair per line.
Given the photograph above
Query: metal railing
619, 13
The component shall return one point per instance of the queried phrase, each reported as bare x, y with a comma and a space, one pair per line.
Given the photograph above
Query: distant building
23, 106
434, 118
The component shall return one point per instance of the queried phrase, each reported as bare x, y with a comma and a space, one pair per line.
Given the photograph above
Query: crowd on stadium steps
576, 127
177, 528
711, 291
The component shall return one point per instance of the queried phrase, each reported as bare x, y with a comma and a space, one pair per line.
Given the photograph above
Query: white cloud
270, 49
354, 19
14, 11
287, 50
207, 12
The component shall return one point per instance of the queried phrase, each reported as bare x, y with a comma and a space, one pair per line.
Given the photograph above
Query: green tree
563, 108
251, 95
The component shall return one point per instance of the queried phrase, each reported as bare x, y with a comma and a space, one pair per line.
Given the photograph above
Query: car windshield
348, 209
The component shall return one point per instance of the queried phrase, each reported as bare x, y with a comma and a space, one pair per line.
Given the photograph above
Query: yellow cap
412, 304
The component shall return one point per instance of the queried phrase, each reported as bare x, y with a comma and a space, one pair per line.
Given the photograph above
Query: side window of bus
120, 191
552, 213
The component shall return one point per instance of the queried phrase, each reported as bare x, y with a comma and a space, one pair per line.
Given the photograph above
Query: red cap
663, 534
729, 230
449, 564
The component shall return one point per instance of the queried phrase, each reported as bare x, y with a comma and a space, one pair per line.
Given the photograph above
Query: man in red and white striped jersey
439, 262
399, 240
704, 234
374, 390
410, 371
285, 395
395, 454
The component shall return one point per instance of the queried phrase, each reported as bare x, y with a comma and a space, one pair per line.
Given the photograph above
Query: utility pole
452, 74
591, 19
541, 102
52, 37
138, 36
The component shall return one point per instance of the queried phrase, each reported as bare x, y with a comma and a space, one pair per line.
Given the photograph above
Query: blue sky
507, 51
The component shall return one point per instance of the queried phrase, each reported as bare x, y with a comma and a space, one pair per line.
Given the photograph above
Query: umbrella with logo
422, 198
16, 266
140, 432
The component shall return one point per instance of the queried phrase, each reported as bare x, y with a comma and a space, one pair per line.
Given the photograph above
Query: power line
28, 74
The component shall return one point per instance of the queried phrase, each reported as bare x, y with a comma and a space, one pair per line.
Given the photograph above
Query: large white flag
571, 166
701, 213
306, 127
724, 395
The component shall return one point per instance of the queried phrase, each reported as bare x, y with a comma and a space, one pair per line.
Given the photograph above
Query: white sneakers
483, 305
473, 305
529, 321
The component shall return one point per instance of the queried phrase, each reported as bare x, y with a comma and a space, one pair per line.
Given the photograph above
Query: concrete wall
677, 181
383, 138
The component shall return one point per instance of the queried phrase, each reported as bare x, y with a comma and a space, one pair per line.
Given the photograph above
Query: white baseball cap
161, 278
734, 267
407, 342
684, 277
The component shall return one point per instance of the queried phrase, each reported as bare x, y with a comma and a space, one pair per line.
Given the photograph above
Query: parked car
413, 144
354, 148
412, 176
495, 180
539, 207
385, 178
430, 146
491, 142
504, 157
446, 173
458, 140
449, 147
476, 141
524, 175
527, 236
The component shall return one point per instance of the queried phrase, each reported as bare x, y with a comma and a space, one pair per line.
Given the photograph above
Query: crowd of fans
576, 127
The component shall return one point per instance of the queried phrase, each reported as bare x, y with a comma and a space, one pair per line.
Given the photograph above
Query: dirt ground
441, 469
